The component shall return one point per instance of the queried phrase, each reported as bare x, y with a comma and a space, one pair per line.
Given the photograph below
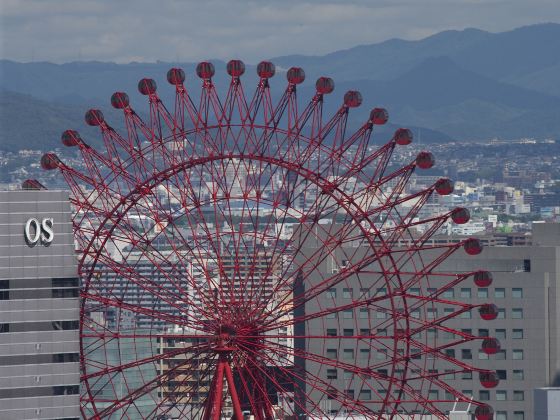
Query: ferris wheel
244, 256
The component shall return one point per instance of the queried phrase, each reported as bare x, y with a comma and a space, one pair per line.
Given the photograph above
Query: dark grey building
39, 313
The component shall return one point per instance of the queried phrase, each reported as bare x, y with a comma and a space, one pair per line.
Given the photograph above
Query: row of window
500, 333
431, 313
502, 395
466, 354
516, 374
18, 327
463, 292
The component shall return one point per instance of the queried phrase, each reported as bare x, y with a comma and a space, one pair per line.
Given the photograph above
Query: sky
183, 30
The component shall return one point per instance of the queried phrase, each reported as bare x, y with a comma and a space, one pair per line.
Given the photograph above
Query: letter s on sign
47, 234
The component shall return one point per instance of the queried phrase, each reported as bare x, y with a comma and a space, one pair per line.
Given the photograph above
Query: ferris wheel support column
238, 415
215, 397
214, 403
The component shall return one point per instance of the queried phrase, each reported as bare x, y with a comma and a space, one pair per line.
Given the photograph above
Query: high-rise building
526, 290
39, 312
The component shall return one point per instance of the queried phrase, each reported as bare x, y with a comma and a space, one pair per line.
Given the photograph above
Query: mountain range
455, 85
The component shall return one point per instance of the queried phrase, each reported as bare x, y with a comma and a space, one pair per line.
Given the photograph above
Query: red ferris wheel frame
215, 237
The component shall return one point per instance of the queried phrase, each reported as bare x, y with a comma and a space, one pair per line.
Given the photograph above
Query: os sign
36, 232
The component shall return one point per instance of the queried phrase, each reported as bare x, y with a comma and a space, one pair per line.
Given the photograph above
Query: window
433, 395
347, 293
517, 354
415, 313
450, 352
467, 392
527, 266
348, 332
415, 291
518, 396
365, 332
432, 313
501, 313
502, 374
500, 334
4, 289
466, 354
364, 313
4, 328
500, 292
349, 393
448, 335
381, 291
66, 282
364, 354
449, 374
482, 355
517, 292
348, 375
382, 332
365, 395
364, 292
501, 395
518, 415
517, 313
332, 373
331, 332
484, 395
65, 325
483, 332
332, 315
432, 333
466, 315
331, 293
381, 354
331, 353
66, 390
501, 415
465, 293
348, 314
466, 375
380, 315
482, 292
500, 355
449, 293
518, 374
348, 354
517, 333
66, 358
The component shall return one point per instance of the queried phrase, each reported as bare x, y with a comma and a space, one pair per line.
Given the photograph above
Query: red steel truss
240, 255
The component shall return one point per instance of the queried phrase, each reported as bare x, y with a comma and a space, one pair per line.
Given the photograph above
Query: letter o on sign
32, 232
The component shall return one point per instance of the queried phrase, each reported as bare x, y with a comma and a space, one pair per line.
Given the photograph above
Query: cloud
173, 30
